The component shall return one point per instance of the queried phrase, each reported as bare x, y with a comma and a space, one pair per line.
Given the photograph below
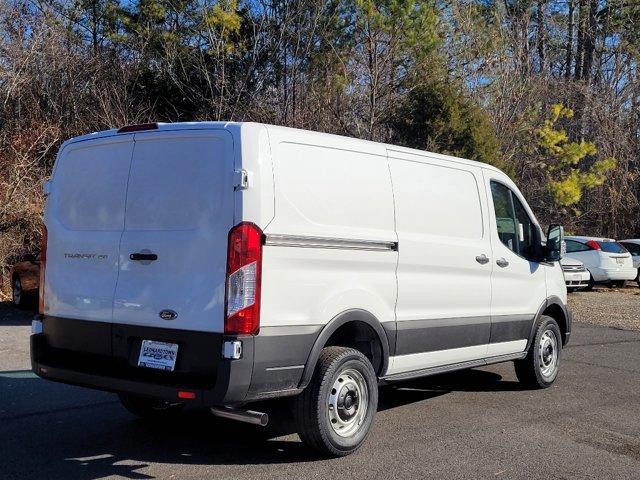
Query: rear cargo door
85, 221
179, 210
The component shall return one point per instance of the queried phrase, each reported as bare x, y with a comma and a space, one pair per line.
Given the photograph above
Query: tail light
244, 271
43, 268
593, 245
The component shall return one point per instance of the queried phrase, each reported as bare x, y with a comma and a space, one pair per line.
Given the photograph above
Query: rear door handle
143, 257
482, 259
502, 263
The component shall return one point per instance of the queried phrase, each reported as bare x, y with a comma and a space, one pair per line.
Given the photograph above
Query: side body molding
386, 335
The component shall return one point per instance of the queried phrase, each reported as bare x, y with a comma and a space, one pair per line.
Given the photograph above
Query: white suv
607, 260
217, 264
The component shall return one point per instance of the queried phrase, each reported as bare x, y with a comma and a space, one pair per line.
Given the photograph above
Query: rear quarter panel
335, 188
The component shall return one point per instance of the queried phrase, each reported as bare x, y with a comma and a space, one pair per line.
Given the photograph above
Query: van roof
236, 125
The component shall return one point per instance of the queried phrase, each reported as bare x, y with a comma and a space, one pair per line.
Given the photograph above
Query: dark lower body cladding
104, 356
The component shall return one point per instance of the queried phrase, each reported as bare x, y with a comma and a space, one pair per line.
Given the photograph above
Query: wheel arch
363, 323
553, 307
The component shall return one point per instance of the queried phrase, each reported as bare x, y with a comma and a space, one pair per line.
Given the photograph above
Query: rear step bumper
57, 356
204, 398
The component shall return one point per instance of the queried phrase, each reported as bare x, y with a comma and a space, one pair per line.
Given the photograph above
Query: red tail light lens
43, 268
593, 245
244, 272
184, 395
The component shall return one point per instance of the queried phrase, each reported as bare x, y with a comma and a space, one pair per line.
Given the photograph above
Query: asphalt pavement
474, 424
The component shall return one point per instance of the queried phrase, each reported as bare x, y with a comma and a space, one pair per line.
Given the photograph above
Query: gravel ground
608, 307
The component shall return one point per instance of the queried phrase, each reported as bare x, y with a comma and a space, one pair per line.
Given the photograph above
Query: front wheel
148, 408
539, 368
335, 412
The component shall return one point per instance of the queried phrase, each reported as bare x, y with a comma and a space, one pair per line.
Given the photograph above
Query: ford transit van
219, 264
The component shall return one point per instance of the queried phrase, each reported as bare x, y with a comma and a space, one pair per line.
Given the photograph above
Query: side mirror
555, 247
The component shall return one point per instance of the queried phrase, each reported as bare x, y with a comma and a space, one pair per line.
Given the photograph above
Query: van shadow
70, 432
399, 394
11, 316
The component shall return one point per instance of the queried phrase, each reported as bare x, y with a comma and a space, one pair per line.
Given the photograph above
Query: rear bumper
227, 385
608, 274
215, 381
104, 356
217, 396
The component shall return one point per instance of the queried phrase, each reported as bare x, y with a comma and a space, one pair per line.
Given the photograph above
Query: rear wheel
638, 278
540, 367
149, 408
17, 292
335, 412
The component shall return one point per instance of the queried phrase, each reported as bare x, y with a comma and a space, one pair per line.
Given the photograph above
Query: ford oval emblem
168, 315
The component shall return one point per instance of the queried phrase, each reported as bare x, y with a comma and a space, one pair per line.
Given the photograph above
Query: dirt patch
609, 307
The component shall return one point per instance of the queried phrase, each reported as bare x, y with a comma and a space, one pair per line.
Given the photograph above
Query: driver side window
515, 227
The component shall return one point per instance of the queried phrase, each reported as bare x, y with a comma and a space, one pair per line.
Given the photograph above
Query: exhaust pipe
247, 416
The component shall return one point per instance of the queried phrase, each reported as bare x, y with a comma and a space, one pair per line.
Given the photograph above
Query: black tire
638, 278
590, 285
337, 365
17, 293
531, 370
149, 408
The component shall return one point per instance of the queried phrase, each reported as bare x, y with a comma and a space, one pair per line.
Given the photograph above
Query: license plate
158, 355
620, 261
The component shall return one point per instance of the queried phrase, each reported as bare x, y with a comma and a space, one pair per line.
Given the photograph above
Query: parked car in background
25, 280
633, 245
607, 260
576, 276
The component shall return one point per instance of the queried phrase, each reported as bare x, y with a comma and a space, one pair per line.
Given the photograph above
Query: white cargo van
219, 264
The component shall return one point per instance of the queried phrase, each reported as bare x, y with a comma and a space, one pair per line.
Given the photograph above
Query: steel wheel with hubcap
335, 412
539, 368
347, 402
548, 351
